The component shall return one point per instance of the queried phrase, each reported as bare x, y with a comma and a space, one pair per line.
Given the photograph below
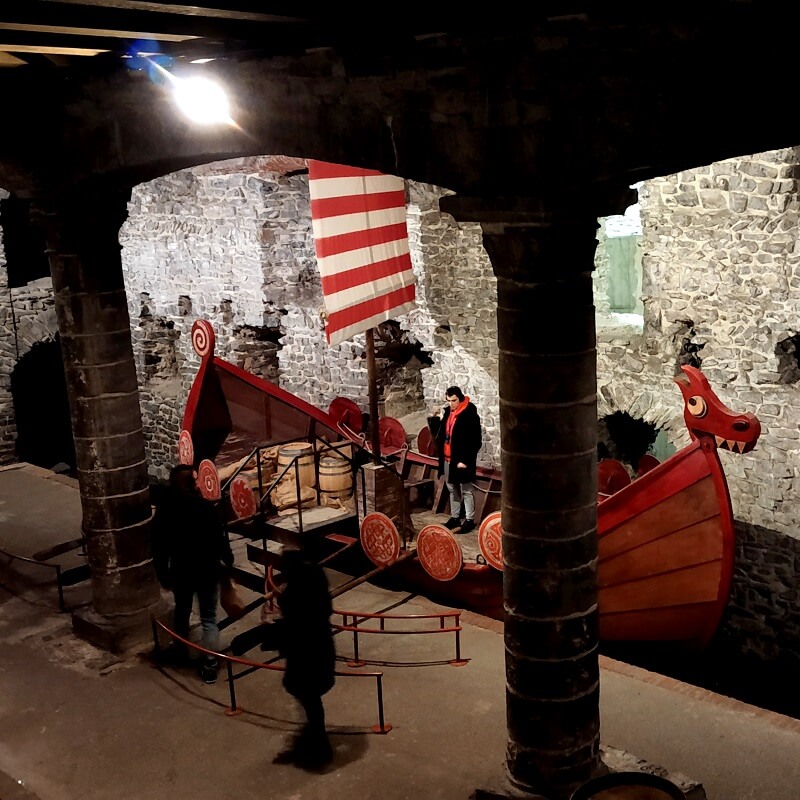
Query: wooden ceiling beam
17, 41
250, 10
66, 31
107, 18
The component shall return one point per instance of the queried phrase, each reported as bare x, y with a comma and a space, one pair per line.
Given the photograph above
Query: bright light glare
202, 100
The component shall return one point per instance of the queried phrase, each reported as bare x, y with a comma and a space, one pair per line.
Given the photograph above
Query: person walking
303, 636
190, 549
458, 438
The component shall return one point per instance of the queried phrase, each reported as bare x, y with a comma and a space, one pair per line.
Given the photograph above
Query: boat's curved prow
666, 541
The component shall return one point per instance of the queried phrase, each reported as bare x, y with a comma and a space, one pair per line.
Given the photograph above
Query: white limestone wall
8, 358
721, 278
721, 270
232, 243
456, 314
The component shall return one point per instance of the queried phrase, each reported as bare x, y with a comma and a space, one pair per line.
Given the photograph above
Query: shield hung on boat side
243, 500
380, 539
490, 540
439, 552
185, 448
208, 480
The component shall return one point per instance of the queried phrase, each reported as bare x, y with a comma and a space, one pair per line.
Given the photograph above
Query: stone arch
42, 418
661, 406
29, 327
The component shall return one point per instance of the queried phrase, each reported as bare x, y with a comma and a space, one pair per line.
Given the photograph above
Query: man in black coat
190, 549
458, 438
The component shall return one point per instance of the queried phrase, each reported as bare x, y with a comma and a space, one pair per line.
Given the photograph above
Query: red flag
359, 221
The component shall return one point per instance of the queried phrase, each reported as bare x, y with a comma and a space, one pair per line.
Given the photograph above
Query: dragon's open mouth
734, 445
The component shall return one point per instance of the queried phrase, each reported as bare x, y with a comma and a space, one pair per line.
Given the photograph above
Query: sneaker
453, 522
208, 673
467, 525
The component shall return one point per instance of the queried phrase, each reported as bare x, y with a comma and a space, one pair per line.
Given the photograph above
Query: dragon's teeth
734, 445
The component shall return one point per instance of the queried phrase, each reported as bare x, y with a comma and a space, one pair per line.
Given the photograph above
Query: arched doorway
41, 407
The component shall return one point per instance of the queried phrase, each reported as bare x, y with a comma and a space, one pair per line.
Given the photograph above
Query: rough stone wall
27, 317
721, 280
8, 357
456, 314
232, 243
218, 242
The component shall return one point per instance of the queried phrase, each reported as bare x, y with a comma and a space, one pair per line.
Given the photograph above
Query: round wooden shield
380, 539
490, 540
439, 552
611, 476
348, 413
208, 480
646, 463
185, 448
203, 338
243, 500
425, 443
392, 434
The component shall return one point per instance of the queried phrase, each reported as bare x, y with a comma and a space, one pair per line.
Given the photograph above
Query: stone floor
78, 722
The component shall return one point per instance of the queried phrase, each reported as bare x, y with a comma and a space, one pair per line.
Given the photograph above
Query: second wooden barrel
335, 478
304, 453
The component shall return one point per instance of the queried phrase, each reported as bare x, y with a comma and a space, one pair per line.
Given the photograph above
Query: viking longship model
284, 468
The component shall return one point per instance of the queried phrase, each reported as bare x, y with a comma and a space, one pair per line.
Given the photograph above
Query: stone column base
612, 760
119, 633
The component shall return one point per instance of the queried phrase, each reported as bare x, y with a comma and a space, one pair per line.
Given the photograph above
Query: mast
372, 380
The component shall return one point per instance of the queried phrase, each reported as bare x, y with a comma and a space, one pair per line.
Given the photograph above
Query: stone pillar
81, 230
548, 422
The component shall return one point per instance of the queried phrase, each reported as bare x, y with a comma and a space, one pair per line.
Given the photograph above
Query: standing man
458, 437
189, 551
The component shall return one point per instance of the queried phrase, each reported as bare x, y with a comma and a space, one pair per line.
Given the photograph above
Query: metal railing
359, 617
56, 567
381, 727
337, 447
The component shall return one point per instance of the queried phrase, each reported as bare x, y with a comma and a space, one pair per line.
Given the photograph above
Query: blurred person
190, 550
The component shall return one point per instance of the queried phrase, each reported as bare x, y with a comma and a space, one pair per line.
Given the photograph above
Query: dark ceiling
48, 34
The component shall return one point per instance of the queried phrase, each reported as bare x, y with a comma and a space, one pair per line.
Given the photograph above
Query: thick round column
83, 247
548, 421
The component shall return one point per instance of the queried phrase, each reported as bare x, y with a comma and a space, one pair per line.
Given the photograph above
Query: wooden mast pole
375, 439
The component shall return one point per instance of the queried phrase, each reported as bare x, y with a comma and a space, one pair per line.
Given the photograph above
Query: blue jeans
207, 600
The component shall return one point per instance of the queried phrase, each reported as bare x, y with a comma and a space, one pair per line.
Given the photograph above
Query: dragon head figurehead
710, 420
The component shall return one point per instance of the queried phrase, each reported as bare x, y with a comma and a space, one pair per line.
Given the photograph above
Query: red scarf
451, 420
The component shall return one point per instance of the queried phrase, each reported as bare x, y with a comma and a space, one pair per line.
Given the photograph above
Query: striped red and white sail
359, 221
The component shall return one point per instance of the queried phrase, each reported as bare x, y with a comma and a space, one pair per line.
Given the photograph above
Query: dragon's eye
697, 406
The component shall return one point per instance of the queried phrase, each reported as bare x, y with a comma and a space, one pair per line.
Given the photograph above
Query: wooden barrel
335, 478
339, 450
304, 452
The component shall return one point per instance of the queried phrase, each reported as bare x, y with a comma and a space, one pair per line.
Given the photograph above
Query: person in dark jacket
304, 638
190, 549
458, 438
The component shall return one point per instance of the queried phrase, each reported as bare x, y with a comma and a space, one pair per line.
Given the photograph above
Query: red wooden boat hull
666, 540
